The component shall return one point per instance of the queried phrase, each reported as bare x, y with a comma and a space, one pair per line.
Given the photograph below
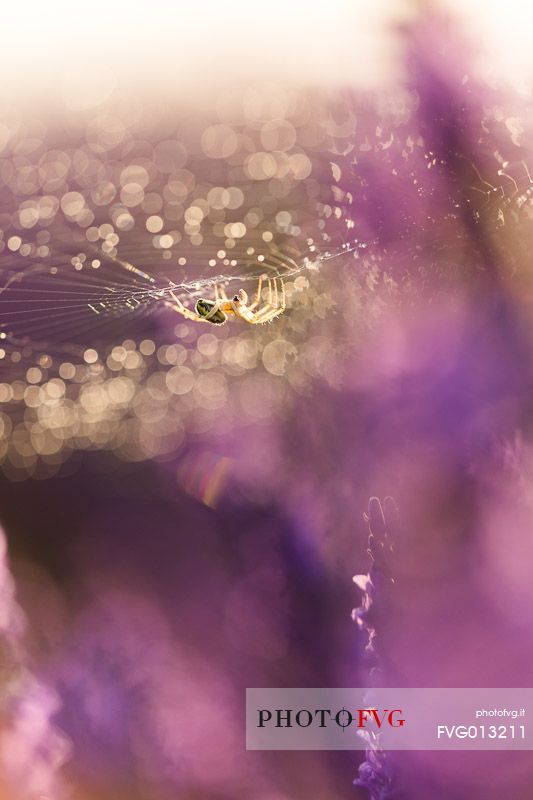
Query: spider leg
273, 308
273, 297
276, 300
269, 302
223, 294
282, 305
217, 292
257, 300
257, 296
178, 306
266, 315
177, 302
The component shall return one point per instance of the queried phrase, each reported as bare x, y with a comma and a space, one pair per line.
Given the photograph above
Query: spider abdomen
208, 310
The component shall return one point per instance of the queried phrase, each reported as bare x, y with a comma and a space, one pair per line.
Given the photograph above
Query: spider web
503, 195
102, 298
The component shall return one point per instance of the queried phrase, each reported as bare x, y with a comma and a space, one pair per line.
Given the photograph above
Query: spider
218, 310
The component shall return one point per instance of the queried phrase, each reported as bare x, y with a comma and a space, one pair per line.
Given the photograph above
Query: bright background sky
190, 43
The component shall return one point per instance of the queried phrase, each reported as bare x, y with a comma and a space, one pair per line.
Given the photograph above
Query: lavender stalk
376, 773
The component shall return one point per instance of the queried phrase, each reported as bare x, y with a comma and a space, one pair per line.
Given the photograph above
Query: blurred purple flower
32, 750
376, 772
